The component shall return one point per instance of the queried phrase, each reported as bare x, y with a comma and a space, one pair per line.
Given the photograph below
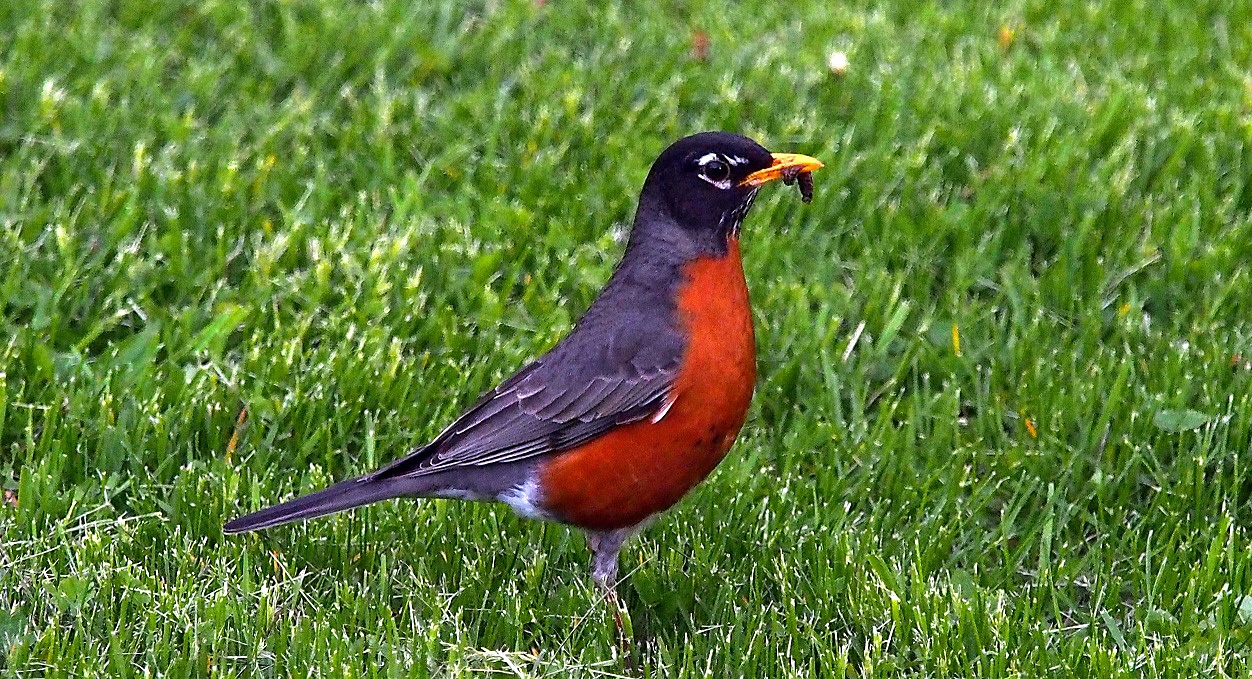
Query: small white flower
838, 62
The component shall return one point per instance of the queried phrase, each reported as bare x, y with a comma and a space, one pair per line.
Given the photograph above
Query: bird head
706, 182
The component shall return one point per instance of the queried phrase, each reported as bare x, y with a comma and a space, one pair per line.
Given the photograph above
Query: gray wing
571, 395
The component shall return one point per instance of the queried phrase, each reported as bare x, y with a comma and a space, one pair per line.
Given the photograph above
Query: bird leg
605, 546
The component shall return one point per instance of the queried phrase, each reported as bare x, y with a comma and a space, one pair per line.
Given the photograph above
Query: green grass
350, 218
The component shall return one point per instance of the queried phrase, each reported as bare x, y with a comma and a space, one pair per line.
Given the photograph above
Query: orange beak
785, 165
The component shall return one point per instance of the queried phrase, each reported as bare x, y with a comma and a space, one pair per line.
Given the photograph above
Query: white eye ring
714, 169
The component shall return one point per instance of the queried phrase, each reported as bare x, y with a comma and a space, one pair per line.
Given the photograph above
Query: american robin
640, 401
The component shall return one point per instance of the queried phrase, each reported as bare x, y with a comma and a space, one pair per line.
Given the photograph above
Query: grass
1004, 414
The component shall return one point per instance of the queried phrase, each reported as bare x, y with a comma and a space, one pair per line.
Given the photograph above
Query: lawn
1003, 424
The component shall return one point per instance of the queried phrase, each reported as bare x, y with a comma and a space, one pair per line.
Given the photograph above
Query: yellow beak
785, 166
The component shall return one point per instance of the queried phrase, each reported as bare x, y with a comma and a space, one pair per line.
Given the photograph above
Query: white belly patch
525, 499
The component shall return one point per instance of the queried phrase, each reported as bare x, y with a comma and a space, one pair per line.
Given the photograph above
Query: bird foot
605, 548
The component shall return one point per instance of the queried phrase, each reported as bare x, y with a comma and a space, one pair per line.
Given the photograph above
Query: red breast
645, 467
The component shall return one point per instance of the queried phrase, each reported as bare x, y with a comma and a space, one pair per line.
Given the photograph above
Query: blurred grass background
1003, 419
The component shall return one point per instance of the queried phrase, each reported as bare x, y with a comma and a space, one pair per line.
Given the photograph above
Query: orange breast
645, 467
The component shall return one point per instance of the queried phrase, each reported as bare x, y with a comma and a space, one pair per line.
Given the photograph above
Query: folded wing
552, 405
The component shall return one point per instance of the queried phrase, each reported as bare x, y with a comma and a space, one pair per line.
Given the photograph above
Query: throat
732, 220
660, 234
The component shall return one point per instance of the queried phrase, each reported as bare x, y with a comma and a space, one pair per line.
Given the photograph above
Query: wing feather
548, 407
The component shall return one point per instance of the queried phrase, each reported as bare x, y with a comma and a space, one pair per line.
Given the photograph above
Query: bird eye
715, 170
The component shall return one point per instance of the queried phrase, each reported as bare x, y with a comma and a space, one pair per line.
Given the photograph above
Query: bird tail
336, 498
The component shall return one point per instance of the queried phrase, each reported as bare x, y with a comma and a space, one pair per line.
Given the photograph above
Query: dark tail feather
341, 496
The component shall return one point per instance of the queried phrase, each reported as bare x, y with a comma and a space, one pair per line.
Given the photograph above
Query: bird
639, 402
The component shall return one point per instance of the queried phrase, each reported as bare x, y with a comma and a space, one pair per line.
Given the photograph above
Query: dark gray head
705, 184
699, 179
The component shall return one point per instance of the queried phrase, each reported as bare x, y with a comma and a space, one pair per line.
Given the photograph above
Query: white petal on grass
838, 62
